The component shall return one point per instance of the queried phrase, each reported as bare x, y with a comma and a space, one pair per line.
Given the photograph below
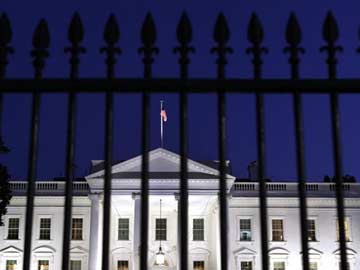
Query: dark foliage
346, 179
5, 192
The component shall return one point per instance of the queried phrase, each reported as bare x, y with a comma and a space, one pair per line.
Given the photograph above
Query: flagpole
161, 125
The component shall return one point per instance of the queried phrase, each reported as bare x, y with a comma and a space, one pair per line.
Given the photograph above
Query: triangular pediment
11, 250
244, 252
160, 161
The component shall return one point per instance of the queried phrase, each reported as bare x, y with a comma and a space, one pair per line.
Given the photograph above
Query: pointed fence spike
221, 31
111, 32
76, 29
5, 30
184, 29
255, 30
148, 31
330, 28
41, 37
293, 31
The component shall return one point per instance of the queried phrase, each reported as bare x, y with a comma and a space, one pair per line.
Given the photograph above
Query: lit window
77, 229
246, 265
311, 230
199, 265
245, 229
198, 229
277, 230
45, 229
75, 265
279, 265
160, 233
43, 265
13, 229
123, 229
123, 265
11, 264
313, 266
346, 227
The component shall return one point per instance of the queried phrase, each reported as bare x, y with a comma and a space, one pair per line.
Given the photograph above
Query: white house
244, 231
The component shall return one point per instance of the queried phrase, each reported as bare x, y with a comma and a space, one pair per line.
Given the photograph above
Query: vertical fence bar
221, 37
331, 35
148, 38
75, 36
184, 37
293, 38
256, 36
41, 41
111, 37
5, 50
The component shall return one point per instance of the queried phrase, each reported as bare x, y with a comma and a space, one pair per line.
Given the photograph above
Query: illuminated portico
164, 184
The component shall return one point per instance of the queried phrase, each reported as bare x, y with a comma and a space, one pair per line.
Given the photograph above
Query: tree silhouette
5, 192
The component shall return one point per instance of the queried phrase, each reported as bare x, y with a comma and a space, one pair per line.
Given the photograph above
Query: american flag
163, 114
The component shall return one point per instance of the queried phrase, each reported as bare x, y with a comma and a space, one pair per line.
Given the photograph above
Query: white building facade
204, 249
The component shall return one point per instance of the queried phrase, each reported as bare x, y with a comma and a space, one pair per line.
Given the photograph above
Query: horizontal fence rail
183, 85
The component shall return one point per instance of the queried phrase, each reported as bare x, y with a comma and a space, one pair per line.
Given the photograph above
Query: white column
177, 198
95, 251
136, 234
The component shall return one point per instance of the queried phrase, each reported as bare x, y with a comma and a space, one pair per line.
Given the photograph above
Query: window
123, 229
13, 229
245, 229
75, 265
347, 229
77, 229
11, 264
43, 265
198, 229
277, 230
45, 229
160, 233
311, 230
313, 266
246, 265
123, 265
199, 265
279, 265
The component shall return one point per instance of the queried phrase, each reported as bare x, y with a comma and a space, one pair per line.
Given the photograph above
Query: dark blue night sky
24, 16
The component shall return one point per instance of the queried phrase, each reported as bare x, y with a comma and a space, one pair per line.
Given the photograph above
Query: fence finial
76, 29
293, 31
5, 30
184, 37
255, 30
330, 28
111, 32
41, 42
148, 39
111, 37
75, 36
5, 39
293, 37
331, 35
221, 37
148, 31
184, 29
255, 36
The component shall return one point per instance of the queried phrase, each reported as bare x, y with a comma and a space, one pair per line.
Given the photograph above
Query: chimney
253, 171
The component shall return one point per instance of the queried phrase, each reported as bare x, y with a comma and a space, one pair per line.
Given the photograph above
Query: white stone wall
322, 210
324, 251
46, 207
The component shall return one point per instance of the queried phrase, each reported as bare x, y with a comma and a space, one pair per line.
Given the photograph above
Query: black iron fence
182, 85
